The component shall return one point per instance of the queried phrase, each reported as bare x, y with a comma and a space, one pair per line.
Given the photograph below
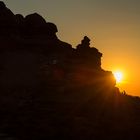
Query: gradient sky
112, 25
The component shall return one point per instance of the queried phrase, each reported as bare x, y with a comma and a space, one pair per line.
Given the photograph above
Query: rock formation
7, 21
49, 90
31, 51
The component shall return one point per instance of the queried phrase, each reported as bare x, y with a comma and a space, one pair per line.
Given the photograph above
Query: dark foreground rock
49, 90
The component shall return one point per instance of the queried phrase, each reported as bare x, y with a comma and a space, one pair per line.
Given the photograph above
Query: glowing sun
118, 76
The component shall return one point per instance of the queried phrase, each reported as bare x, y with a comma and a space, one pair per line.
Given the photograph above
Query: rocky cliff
51, 90
31, 53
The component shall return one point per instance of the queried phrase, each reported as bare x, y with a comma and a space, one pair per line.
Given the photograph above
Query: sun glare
118, 76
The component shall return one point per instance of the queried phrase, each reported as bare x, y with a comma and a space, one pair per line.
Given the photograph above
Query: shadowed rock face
49, 90
89, 55
34, 25
20, 21
7, 21
30, 43
2, 5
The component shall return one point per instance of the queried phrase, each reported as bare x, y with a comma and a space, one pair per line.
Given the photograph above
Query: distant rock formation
31, 53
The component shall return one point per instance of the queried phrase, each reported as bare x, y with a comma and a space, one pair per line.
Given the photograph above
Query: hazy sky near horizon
112, 25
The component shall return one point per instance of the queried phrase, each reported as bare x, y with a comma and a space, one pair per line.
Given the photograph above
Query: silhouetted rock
34, 25
51, 30
49, 90
20, 24
2, 5
7, 21
89, 55
34, 41
84, 43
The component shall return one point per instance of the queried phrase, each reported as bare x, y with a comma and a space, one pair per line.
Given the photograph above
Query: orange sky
112, 25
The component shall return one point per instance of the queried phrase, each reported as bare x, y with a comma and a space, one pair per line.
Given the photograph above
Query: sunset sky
112, 25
